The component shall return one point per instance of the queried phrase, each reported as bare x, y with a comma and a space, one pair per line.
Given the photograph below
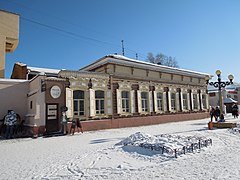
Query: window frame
173, 101
160, 101
125, 102
80, 100
100, 103
144, 101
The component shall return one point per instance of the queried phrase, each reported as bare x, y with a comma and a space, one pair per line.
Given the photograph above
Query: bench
223, 125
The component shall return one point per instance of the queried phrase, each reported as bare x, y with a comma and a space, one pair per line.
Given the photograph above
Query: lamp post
220, 84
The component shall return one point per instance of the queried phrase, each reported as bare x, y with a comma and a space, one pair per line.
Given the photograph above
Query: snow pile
166, 144
235, 131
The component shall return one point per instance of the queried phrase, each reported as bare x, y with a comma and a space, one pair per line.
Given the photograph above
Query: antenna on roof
136, 56
122, 48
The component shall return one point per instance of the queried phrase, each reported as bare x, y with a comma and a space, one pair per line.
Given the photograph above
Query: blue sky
68, 34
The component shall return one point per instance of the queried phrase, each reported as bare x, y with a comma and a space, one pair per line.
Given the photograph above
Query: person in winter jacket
212, 113
64, 123
10, 121
217, 113
79, 126
235, 111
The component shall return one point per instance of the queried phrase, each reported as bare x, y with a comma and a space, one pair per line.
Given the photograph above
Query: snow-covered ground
105, 154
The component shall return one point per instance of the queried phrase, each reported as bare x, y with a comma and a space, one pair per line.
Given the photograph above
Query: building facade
9, 36
112, 92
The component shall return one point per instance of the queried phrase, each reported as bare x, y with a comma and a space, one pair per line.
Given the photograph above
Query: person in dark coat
235, 111
73, 126
212, 113
79, 126
217, 113
221, 118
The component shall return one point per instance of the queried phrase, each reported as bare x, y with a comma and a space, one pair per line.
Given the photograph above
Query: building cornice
121, 60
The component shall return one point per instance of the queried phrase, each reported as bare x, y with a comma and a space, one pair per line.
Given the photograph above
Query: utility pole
122, 48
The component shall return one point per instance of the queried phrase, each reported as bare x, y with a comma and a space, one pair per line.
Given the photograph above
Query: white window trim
131, 101
155, 93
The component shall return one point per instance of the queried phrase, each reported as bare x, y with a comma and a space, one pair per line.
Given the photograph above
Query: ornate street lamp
220, 84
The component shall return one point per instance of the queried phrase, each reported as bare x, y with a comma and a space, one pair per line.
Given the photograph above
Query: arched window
99, 98
78, 102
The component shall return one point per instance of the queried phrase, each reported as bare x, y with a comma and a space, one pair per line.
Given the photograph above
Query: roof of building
229, 100
13, 80
20, 64
232, 87
43, 70
122, 60
76, 74
8, 12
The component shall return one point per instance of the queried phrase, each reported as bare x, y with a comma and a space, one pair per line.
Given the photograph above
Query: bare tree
162, 59
150, 58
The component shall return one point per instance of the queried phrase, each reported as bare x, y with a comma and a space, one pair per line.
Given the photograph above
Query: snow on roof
140, 64
13, 80
20, 64
43, 70
229, 100
72, 73
232, 87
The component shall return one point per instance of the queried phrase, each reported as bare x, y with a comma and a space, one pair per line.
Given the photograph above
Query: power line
66, 21
74, 34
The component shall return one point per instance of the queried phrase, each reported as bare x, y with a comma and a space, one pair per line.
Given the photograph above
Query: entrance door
52, 117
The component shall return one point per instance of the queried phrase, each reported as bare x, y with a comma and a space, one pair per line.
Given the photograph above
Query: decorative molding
124, 85
143, 86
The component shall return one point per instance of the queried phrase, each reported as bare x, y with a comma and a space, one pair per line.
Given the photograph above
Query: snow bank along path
97, 155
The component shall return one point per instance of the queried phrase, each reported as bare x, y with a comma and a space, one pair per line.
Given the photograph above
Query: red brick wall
139, 121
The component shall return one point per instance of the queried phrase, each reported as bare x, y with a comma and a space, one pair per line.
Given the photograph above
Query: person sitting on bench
221, 118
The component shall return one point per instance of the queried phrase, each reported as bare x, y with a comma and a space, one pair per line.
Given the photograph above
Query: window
160, 101
184, 96
125, 101
173, 101
195, 102
144, 97
99, 98
204, 101
78, 102
31, 104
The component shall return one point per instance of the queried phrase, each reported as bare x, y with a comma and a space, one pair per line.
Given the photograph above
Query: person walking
235, 111
64, 123
217, 113
79, 126
73, 126
212, 113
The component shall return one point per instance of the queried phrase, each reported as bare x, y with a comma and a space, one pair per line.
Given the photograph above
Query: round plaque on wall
55, 92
